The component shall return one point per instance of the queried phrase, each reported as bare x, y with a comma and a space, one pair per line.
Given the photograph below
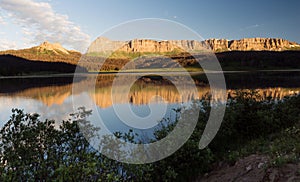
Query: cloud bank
2, 22
6, 44
40, 22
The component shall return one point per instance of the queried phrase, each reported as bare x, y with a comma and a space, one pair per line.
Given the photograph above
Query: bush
38, 151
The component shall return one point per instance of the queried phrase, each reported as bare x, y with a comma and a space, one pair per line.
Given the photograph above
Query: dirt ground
254, 168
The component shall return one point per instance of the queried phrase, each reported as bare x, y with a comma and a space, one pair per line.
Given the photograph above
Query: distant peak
47, 44
52, 47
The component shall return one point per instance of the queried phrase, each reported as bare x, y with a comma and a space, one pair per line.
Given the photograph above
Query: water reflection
52, 97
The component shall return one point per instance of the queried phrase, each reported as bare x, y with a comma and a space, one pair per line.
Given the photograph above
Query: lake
52, 96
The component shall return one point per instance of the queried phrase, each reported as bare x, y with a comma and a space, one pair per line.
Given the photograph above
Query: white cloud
2, 22
7, 45
250, 27
41, 22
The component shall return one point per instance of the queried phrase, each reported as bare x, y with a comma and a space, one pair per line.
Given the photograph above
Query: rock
218, 45
144, 45
56, 48
103, 44
251, 44
260, 165
248, 168
260, 44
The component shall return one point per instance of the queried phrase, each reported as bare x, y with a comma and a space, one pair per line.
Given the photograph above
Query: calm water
52, 96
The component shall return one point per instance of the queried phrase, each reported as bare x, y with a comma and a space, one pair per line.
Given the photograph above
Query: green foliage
250, 125
38, 151
249, 122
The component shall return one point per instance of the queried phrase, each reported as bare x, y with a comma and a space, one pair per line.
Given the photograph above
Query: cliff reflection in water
142, 92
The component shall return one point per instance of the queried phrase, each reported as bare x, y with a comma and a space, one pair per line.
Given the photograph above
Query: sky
75, 24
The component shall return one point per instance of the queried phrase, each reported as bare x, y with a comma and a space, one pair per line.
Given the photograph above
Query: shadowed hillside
230, 61
14, 66
256, 60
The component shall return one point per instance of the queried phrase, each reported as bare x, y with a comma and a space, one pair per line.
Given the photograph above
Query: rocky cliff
141, 45
218, 45
104, 45
259, 44
56, 48
251, 44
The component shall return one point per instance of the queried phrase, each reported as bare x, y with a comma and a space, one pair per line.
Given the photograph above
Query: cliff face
258, 44
141, 45
105, 45
55, 48
218, 45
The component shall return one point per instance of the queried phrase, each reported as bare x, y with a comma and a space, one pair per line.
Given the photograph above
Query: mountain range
43, 59
256, 53
103, 44
54, 52
46, 52
243, 54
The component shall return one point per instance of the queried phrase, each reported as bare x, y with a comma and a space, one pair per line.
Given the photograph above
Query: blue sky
74, 24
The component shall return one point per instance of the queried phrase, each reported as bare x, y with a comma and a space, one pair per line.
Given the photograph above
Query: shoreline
144, 72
